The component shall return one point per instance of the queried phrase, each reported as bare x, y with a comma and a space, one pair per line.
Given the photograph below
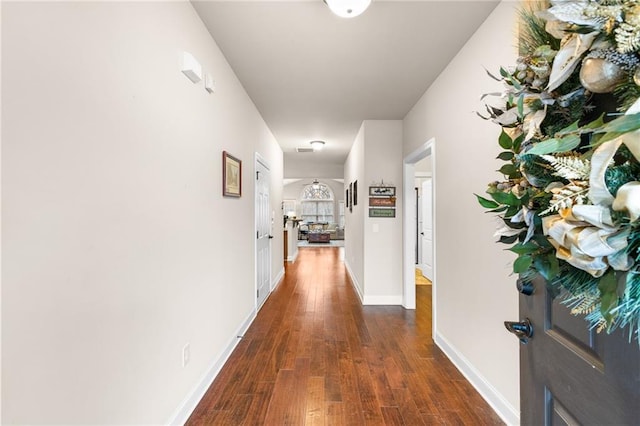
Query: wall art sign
382, 212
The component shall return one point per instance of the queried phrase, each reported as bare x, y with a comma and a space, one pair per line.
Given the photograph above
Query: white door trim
259, 159
408, 225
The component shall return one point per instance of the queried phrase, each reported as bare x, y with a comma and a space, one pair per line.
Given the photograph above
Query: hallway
315, 356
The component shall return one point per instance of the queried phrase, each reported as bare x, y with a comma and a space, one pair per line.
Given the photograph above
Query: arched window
317, 203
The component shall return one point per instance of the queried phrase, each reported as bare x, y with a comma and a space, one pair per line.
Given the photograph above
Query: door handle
523, 330
270, 237
525, 287
422, 233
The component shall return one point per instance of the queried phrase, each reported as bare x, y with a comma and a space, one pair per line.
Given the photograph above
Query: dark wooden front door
570, 375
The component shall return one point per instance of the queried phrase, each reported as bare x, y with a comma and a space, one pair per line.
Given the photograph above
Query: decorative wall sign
382, 202
231, 175
382, 212
382, 191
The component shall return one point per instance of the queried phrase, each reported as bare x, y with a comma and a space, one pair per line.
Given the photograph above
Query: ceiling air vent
304, 149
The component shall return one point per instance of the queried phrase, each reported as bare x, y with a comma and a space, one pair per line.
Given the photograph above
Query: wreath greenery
569, 202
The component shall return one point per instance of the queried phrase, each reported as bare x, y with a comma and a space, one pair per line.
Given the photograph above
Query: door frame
263, 162
408, 225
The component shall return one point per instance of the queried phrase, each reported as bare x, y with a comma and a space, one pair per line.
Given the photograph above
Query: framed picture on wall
231, 175
355, 193
346, 197
351, 197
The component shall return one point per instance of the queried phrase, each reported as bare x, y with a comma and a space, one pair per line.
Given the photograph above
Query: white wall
118, 248
299, 165
383, 262
475, 291
371, 253
354, 169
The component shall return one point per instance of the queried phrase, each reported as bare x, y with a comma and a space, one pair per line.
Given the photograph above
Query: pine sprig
533, 33
627, 92
569, 166
574, 193
628, 37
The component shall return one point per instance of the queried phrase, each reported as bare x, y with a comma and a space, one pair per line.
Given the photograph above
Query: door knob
525, 287
270, 237
523, 330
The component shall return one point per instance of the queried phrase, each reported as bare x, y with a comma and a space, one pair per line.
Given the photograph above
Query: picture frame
346, 198
382, 191
351, 197
355, 193
231, 175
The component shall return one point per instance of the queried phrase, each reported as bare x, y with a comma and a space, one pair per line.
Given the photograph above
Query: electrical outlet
186, 354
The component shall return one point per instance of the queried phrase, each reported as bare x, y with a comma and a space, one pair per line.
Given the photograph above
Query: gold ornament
636, 76
598, 75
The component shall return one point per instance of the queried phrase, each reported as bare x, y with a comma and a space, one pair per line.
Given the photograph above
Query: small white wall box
209, 84
191, 68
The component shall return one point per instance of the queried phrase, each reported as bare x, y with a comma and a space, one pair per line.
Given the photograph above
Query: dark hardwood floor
315, 356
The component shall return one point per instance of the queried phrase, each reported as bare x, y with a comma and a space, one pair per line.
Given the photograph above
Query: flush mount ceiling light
317, 145
348, 8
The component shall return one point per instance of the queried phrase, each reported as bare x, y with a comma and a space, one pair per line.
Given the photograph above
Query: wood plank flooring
315, 356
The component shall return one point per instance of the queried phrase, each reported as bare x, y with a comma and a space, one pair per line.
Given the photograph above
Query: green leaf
515, 83
547, 265
522, 263
487, 204
508, 240
498, 210
608, 295
512, 211
571, 128
507, 198
508, 169
526, 248
505, 155
505, 141
504, 73
517, 142
492, 76
622, 124
521, 106
564, 144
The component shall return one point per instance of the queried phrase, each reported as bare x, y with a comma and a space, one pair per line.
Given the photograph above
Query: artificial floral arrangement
570, 198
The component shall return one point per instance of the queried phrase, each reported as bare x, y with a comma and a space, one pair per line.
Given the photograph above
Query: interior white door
426, 235
263, 234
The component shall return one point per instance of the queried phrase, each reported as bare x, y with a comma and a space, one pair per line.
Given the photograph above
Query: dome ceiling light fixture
348, 8
317, 145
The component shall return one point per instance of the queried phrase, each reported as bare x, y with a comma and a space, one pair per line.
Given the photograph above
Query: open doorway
418, 222
424, 222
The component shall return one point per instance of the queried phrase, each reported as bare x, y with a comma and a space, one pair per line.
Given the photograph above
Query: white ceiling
313, 75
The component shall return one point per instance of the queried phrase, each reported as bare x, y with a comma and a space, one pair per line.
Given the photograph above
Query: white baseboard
354, 281
293, 258
382, 300
190, 403
509, 414
372, 300
277, 279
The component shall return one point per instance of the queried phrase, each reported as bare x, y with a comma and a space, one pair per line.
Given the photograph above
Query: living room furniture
319, 237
